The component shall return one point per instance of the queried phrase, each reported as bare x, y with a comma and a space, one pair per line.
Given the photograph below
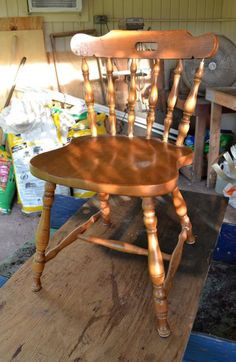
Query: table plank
96, 304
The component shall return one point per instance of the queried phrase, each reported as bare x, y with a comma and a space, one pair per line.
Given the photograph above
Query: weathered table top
96, 304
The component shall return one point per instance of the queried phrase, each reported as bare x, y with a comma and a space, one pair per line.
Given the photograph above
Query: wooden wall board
21, 23
70, 75
96, 304
195, 16
14, 46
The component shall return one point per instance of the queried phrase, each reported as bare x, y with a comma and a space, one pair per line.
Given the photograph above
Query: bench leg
181, 211
42, 236
156, 267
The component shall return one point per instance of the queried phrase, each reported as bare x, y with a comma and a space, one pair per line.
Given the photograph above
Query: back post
189, 106
172, 99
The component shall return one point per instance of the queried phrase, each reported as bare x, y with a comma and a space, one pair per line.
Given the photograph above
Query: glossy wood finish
89, 98
172, 99
172, 44
156, 267
181, 211
72, 236
111, 97
42, 236
190, 105
129, 165
104, 207
153, 97
186, 235
132, 98
133, 167
97, 302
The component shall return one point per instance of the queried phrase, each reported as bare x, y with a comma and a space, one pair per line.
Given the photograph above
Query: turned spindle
153, 97
89, 98
132, 98
172, 99
111, 97
181, 211
190, 105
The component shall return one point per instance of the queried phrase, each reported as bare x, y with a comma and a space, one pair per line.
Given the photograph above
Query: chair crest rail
172, 44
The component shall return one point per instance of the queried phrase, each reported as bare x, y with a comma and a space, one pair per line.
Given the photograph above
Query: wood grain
42, 236
225, 96
190, 105
215, 120
153, 97
173, 44
21, 23
172, 99
156, 267
222, 96
14, 46
67, 321
89, 97
132, 166
127, 166
111, 97
132, 98
69, 75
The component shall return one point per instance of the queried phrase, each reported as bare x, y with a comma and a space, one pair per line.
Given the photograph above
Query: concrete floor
17, 228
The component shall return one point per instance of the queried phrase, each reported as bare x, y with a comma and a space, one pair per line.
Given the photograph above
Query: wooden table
219, 97
96, 304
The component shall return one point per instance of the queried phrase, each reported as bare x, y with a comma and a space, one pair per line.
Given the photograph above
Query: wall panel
197, 16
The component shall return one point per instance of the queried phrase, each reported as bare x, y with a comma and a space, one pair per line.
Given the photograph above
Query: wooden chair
114, 164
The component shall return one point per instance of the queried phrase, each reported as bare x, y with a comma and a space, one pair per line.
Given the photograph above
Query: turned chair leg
181, 211
156, 267
42, 236
105, 207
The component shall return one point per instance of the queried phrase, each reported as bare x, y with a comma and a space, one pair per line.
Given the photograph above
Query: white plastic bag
230, 191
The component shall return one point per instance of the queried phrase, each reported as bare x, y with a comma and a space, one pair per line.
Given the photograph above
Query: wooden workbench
219, 97
96, 304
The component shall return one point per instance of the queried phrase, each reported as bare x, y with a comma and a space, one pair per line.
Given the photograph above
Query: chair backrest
156, 45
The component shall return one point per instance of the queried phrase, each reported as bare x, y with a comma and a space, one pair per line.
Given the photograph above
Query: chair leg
181, 211
156, 267
42, 236
105, 207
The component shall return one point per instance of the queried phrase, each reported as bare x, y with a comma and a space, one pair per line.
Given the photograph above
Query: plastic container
7, 195
220, 185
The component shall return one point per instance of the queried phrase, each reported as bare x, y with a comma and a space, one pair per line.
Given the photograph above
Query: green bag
7, 195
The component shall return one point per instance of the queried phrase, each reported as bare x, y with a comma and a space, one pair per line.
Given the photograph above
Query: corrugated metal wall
197, 16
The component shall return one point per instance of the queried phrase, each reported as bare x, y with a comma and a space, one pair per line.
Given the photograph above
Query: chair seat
115, 165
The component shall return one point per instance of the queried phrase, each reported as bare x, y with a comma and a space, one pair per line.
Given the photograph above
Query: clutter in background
226, 176
7, 182
30, 189
29, 117
226, 139
34, 124
74, 123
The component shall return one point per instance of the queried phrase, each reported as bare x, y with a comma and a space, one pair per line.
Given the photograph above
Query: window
54, 5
